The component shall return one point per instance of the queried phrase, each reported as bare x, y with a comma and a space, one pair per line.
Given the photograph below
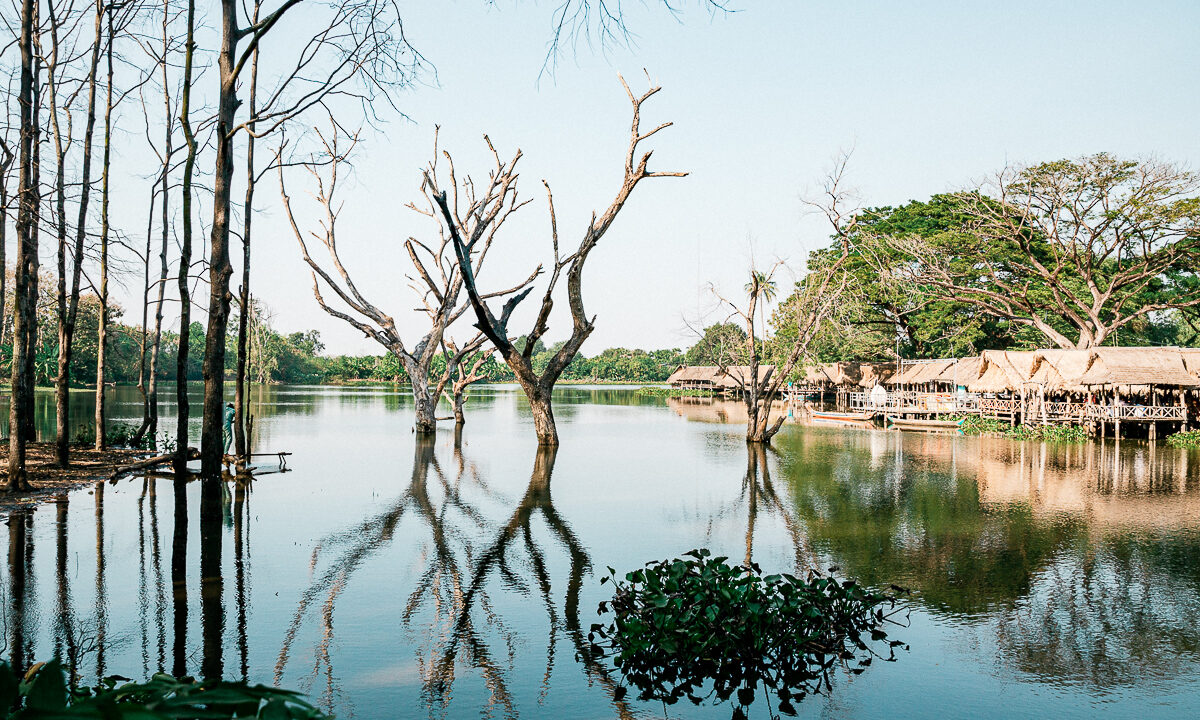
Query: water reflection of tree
759, 498
467, 560
1053, 549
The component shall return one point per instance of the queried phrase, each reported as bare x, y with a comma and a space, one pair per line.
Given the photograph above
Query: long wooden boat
925, 425
844, 417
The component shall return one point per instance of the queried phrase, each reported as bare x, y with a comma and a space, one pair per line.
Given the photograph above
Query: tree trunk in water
424, 401
179, 610
185, 250
543, 417
219, 269
25, 283
212, 609
459, 400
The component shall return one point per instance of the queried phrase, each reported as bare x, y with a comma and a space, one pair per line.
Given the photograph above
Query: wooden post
1183, 404
1116, 417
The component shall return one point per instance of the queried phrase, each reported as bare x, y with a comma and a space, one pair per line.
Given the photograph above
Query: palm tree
761, 288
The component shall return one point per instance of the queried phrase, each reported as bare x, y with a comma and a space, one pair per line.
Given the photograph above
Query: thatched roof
815, 375
1191, 360
694, 373
1002, 370
1163, 367
736, 376
962, 372
926, 371
873, 374
732, 376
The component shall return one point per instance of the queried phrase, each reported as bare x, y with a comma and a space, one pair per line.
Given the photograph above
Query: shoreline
88, 467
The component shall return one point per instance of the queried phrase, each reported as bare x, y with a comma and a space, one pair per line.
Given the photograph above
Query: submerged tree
539, 386
817, 296
438, 281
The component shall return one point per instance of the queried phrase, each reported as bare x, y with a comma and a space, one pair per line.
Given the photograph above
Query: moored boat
925, 425
841, 416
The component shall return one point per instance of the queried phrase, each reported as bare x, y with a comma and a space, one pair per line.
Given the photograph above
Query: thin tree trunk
185, 250
102, 331
145, 332
219, 269
239, 401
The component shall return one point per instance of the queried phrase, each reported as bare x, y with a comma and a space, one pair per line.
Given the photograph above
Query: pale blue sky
929, 95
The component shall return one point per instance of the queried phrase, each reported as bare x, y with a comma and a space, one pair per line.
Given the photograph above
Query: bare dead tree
239, 399
1076, 249
815, 300
7, 156
57, 60
167, 46
539, 387
185, 247
464, 367
436, 278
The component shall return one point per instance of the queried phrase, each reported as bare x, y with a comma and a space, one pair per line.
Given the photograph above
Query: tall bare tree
1075, 249
185, 246
241, 448
26, 275
358, 52
101, 438
148, 380
538, 387
436, 278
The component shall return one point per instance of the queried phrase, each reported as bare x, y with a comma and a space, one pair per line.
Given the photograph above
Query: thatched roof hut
736, 376
815, 375
924, 372
731, 377
1160, 367
1003, 370
876, 374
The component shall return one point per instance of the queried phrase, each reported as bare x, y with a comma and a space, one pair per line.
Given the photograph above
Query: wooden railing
998, 406
1135, 413
1065, 410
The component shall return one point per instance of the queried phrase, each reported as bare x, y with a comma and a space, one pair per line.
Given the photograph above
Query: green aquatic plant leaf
700, 628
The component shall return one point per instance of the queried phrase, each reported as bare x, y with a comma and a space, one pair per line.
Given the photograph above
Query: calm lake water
390, 578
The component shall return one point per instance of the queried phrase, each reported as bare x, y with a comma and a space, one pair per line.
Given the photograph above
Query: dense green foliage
978, 425
700, 628
1190, 438
44, 693
960, 273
